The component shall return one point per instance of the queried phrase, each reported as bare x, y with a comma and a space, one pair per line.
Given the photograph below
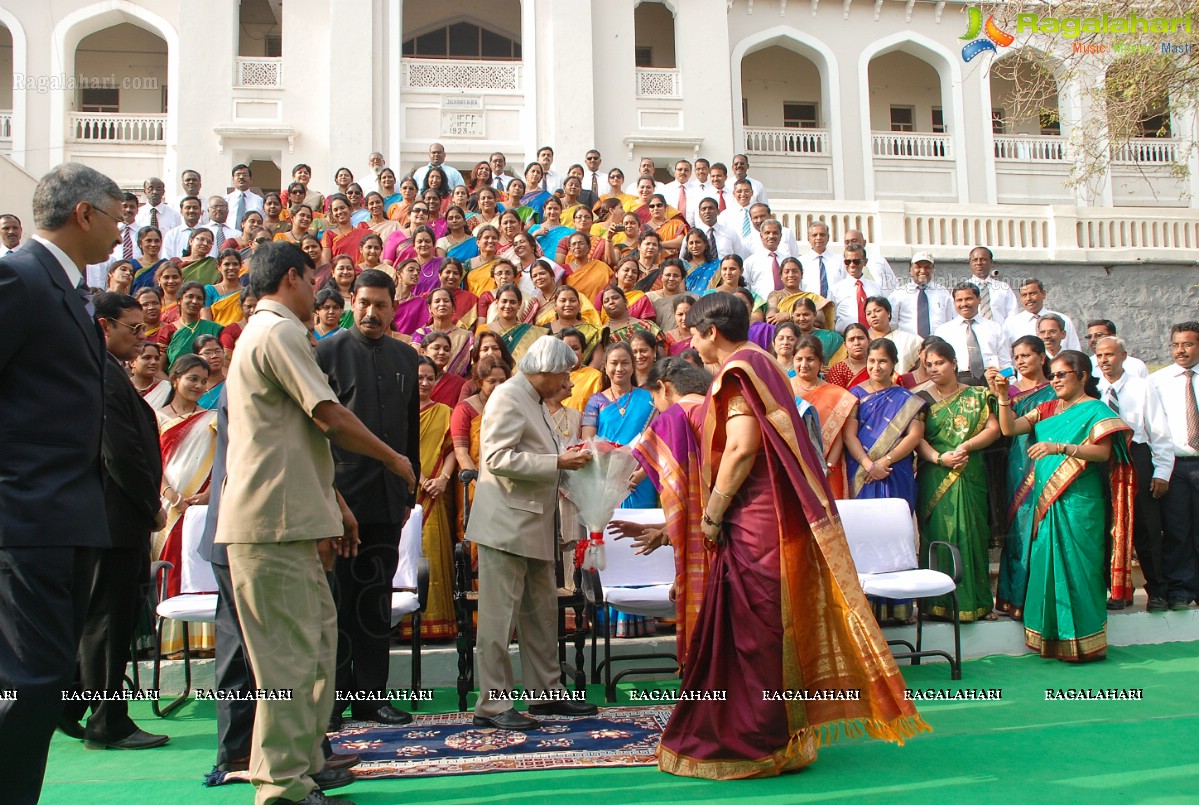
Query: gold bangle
724, 495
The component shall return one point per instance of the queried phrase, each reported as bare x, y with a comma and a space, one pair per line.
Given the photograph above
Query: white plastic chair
410, 588
633, 584
196, 602
881, 539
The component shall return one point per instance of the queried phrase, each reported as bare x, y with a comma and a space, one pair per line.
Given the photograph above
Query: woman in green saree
1029, 389
179, 336
199, 266
951, 496
517, 335
1065, 610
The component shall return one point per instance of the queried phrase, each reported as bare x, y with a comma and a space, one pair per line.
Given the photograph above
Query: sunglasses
656, 206
1060, 375
855, 262
138, 329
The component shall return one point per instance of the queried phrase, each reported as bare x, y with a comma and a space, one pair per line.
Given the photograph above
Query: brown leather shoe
336, 761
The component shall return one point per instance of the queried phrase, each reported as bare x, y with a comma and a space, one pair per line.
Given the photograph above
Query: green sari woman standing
1065, 611
951, 498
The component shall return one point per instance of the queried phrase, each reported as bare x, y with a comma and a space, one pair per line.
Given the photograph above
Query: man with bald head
877, 268
437, 160
822, 267
156, 212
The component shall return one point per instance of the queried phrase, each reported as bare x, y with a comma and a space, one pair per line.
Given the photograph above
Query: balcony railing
6, 125
1148, 151
787, 141
444, 74
659, 82
259, 72
115, 128
908, 144
1030, 148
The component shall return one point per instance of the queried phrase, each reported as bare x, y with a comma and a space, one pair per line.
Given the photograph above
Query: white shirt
908, 347
788, 247
553, 181
1024, 323
253, 202
176, 240
759, 190
68, 265
906, 299
168, 217
759, 273
737, 218
220, 234
1004, 303
118, 252
499, 182
5, 250
834, 270
727, 241
1132, 366
177, 204
670, 192
452, 176
601, 181
730, 202
995, 349
1171, 385
1141, 408
845, 296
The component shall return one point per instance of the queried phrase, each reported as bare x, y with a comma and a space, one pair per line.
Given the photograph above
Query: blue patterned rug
449, 743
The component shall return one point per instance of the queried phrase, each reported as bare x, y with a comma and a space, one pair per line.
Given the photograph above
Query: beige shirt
279, 486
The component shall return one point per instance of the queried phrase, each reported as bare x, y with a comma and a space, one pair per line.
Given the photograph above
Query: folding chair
410, 589
881, 539
633, 584
196, 602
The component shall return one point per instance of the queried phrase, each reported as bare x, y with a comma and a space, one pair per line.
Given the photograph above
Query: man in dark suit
132, 467
51, 492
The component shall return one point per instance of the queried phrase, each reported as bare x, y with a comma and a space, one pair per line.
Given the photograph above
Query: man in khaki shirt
282, 521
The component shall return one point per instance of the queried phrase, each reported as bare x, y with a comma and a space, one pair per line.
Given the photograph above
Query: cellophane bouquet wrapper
597, 490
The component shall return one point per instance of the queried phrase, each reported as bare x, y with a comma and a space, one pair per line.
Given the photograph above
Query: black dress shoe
140, 739
564, 707
1179, 604
1156, 604
384, 715
508, 720
328, 779
336, 761
71, 728
1116, 604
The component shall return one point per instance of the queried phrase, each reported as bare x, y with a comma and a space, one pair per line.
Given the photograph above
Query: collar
281, 310
1182, 371
522, 383
74, 276
1117, 384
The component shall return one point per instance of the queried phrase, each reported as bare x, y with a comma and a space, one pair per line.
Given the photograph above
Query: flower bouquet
597, 489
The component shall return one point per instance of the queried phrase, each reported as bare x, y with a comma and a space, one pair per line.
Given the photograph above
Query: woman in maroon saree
783, 610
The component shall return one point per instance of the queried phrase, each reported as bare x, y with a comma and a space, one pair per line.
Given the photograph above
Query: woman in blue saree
550, 232
534, 198
620, 413
149, 240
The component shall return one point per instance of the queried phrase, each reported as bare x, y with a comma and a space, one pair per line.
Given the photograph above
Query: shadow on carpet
449, 743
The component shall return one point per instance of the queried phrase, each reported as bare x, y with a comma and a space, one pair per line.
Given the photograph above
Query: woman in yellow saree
223, 299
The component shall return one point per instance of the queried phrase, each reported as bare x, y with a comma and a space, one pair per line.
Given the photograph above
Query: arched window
461, 40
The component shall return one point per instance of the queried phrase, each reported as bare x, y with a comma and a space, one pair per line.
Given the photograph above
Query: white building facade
863, 114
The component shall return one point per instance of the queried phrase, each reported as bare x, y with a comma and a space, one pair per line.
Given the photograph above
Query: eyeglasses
855, 262
656, 206
420, 209
138, 329
211, 353
107, 214
1060, 375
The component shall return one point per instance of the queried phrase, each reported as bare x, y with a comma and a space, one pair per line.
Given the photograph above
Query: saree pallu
842, 375
438, 621
428, 276
188, 446
548, 241
448, 389
156, 396
212, 397
398, 211
479, 280
143, 276
392, 245
518, 339
227, 309
593, 336
591, 279
170, 313
185, 334
466, 250
833, 405
384, 228
203, 271
466, 310
668, 451
952, 503
588, 315
347, 243
826, 311
1065, 611
465, 424
699, 278
586, 383
762, 334
626, 332
782, 610
675, 345
883, 419
411, 315
534, 202
461, 342
1013, 561
671, 229
623, 421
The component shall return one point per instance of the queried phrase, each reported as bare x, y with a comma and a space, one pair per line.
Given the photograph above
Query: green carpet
1021, 749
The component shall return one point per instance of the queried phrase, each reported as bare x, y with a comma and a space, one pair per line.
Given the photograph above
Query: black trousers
234, 720
43, 602
118, 587
363, 595
1147, 524
1180, 531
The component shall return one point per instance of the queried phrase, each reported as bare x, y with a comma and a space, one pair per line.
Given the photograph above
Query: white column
532, 110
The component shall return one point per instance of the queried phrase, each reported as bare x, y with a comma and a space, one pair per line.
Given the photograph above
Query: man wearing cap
920, 305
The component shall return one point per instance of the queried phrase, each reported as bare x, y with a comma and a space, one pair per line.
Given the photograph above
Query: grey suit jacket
517, 493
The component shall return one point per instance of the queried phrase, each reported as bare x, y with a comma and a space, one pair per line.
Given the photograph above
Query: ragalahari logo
994, 35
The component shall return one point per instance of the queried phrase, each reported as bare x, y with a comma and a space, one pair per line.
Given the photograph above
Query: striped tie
745, 224
1192, 410
984, 306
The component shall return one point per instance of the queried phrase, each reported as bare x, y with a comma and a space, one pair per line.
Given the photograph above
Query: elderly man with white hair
512, 522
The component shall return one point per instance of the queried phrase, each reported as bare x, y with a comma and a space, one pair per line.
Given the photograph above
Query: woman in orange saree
783, 614
833, 404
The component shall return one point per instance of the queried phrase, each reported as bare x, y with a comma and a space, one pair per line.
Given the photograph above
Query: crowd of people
968, 398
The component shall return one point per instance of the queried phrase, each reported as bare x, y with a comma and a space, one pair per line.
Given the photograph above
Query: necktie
974, 350
241, 209
774, 269
713, 252
85, 294
922, 326
127, 243
721, 202
823, 278
984, 305
499, 183
1113, 400
595, 183
861, 304
154, 218
682, 201
1192, 410
746, 227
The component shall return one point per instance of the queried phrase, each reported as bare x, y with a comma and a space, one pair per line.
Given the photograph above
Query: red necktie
774, 267
861, 304
682, 200
721, 201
